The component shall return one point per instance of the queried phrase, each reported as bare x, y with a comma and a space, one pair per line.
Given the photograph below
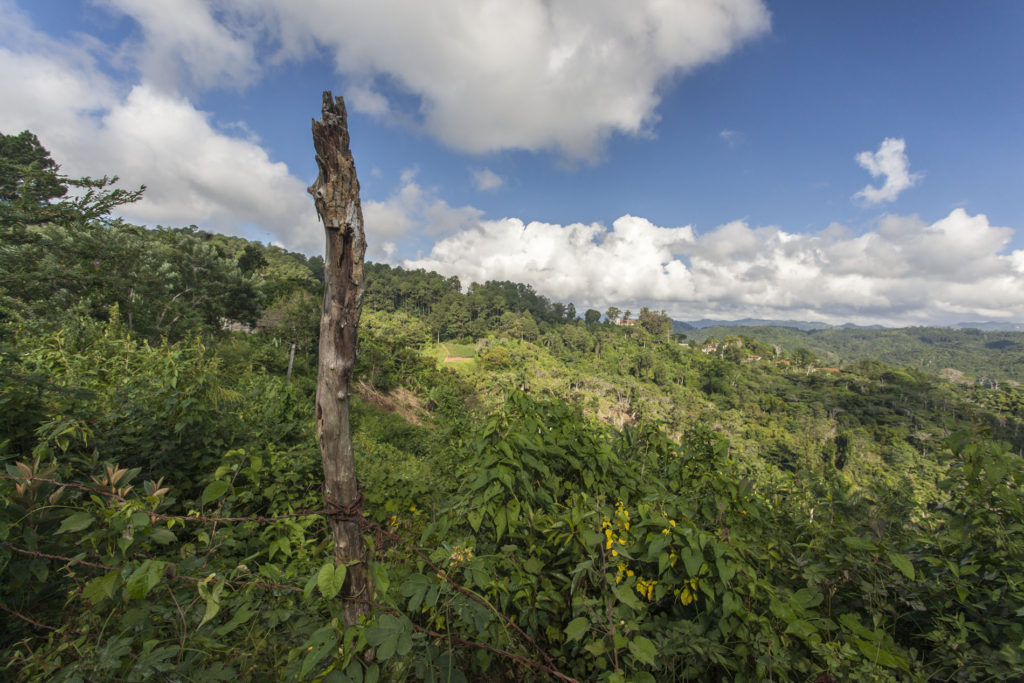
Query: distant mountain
976, 353
851, 326
681, 326
992, 326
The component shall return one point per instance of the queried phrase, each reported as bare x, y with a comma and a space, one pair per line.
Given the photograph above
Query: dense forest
968, 354
549, 494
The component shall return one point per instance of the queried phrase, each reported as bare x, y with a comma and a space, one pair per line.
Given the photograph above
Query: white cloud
365, 100
903, 273
194, 172
890, 161
487, 76
486, 179
187, 42
533, 74
401, 225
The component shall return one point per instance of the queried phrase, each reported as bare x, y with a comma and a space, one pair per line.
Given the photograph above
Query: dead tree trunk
336, 193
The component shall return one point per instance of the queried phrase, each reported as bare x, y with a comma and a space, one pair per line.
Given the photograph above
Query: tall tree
27, 172
336, 194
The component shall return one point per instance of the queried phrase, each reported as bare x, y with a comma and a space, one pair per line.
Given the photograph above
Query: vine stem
27, 619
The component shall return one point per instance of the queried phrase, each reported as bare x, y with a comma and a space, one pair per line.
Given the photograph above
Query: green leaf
145, 577
162, 536
499, 523
213, 491
595, 648
212, 601
858, 543
851, 622
381, 579
801, 628
692, 560
533, 565
308, 588
76, 522
903, 564
330, 579
576, 628
387, 648
876, 654
657, 545
781, 610
627, 597
664, 562
241, 616
807, 598
475, 518
140, 520
101, 587
322, 643
726, 569
643, 649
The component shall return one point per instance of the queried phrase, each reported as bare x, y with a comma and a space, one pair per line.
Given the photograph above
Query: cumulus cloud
504, 74
486, 179
366, 100
904, 272
529, 74
186, 43
195, 173
890, 161
409, 219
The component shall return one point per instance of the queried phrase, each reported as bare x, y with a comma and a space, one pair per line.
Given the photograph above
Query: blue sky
713, 158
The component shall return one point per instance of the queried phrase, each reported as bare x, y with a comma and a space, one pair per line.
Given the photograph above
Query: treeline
968, 354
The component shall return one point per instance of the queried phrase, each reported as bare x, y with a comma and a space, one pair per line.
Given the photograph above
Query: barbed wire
28, 619
305, 512
548, 666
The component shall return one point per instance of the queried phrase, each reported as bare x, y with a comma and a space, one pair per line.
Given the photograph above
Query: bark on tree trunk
336, 194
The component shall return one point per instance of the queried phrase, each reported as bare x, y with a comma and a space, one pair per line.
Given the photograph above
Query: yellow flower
672, 522
629, 572
686, 597
645, 588
615, 553
666, 531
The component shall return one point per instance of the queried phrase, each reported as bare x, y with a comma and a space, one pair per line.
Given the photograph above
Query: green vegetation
970, 355
579, 501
